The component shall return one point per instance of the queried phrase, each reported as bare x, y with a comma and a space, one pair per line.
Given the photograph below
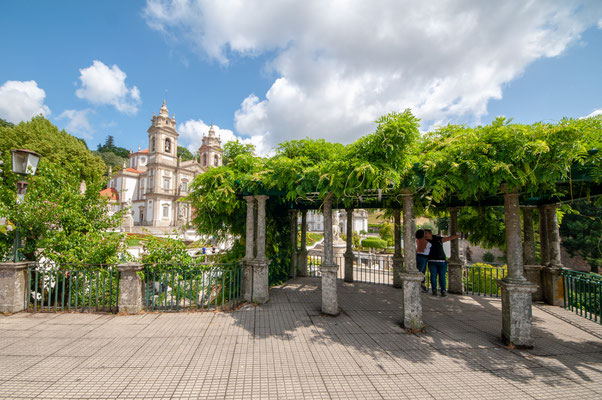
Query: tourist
423, 248
437, 260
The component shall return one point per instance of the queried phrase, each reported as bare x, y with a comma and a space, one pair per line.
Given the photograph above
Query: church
156, 178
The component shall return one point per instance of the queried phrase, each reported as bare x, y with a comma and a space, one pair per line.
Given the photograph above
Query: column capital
130, 267
249, 199
261, 197
14, 266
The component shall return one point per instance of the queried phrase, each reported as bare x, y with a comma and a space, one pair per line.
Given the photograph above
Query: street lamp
25, 162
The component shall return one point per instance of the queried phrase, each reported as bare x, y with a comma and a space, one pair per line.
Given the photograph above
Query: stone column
330, 303
130, 288
293, 228
397, 256
516, 290
410, 277
302, 258
249, 249
455, 282
260, 265
349, 251
14, 281
532, 269
552, 281
543, 235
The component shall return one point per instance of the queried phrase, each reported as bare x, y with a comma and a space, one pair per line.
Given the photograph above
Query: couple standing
429, 249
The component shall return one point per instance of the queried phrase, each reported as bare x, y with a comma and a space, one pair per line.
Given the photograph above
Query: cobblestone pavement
286, 350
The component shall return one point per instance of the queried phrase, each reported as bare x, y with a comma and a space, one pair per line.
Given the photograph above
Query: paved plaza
286, 349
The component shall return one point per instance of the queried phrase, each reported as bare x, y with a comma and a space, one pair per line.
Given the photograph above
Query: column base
553, 289
455, 282
302, 263
517, 312
14, 281
330, 301
412, 301
533, 273
261, 285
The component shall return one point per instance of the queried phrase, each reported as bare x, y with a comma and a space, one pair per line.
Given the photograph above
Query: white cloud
21, 100
103, 85
596, 112
339, 65
78, 124
192, 132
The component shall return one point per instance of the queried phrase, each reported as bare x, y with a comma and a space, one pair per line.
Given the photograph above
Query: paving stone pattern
286, 349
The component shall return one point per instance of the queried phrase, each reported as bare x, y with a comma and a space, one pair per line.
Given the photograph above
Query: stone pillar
14, 281
543, 235
293, 237
410, 277
249, 249
552, 281
260, 265
330, 303
454, 265
349, 251
130, 288
532, 269
397, 256
302, 258
516, 290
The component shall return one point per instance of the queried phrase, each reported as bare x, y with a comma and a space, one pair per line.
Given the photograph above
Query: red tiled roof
111, 193
145, 151
133, 170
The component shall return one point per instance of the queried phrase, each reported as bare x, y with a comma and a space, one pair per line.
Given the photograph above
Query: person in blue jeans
423, 248
437, 261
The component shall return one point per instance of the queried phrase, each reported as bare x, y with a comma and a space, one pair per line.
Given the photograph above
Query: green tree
185, 154
581, 232
58, 222
57, 147
112, 160
234, 148
386, 233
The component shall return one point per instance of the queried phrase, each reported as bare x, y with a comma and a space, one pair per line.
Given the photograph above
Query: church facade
156, 178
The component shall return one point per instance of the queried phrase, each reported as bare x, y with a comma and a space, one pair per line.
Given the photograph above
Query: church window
167, 145
166, 211
184, 186
204, 159
216, 160
153, 144
166, 183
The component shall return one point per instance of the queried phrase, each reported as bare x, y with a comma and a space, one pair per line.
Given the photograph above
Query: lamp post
25, 162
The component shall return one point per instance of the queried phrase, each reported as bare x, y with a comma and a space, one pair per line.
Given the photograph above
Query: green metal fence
481, 279
172, 287
582, 293
367, 268
72, 287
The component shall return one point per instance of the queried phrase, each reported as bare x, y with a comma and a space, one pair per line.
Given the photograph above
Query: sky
267, 71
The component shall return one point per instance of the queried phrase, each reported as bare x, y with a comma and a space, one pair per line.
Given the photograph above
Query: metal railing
367, 268
199, 286
72, 287
481, 279
582, 293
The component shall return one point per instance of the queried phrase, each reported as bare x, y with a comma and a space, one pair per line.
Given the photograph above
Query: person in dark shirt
437, 260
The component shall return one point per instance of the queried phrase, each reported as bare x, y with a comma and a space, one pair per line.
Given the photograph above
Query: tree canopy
454, 160
59, 219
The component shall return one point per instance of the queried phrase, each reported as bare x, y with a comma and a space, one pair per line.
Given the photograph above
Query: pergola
526, 280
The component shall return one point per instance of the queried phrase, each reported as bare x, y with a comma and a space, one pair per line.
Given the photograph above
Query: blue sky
266, 72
